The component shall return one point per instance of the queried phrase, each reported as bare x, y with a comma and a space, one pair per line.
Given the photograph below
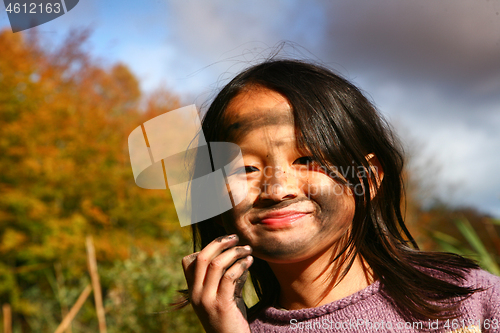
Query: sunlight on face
293, 210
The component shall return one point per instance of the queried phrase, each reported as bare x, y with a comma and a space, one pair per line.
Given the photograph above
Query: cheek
233, 218
243, 194
334, 202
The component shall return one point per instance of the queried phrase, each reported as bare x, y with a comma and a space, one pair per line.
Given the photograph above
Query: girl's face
293, 210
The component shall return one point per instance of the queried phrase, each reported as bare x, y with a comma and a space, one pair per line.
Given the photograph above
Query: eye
304, 160
243, 170
310, 163
250, 169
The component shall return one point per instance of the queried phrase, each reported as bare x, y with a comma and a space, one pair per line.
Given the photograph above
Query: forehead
255, 108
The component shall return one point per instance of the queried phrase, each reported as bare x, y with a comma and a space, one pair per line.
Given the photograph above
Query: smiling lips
282, 218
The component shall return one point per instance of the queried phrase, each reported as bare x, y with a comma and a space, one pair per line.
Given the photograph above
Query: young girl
320, 230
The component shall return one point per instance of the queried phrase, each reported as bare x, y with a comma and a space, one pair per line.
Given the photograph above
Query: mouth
281, 218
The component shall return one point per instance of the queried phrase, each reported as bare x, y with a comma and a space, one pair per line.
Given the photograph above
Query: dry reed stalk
7, 318
94, 276
74, 310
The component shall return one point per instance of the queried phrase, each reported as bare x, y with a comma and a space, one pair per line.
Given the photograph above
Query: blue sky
431, 67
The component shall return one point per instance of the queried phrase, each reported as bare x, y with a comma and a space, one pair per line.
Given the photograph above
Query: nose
278, 184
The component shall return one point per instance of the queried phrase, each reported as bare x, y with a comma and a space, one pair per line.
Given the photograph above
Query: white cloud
431, 66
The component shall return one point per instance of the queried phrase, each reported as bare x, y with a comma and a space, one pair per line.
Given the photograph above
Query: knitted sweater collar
280, 315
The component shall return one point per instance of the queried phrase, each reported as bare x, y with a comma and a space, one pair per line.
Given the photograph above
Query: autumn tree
65, 173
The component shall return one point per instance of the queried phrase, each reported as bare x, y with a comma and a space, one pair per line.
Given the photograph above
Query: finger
188, 263
240, 283
234, 278
206, 256
220, 264
238, 293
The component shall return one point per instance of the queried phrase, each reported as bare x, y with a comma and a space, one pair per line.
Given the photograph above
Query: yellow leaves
65, 170
17, 50
160, 101
59, 238
126, 85
113, 244
11, 239
22, 205
94, 212
16, 151
33, 165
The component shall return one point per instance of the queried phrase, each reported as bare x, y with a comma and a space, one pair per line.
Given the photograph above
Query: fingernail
231, 237
225, 238
247, 247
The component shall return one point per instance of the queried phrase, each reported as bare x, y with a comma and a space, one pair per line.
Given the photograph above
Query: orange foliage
64, 164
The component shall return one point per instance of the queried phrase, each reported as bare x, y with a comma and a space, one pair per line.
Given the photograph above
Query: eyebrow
248, 150
245, 124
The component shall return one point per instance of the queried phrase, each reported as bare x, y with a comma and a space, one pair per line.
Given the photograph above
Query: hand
215, 278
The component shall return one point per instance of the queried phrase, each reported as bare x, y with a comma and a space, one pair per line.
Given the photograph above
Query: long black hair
340, 127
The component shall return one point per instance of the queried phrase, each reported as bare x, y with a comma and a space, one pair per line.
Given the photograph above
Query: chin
278, 252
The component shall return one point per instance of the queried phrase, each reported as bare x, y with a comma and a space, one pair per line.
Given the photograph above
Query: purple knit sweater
369, 311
